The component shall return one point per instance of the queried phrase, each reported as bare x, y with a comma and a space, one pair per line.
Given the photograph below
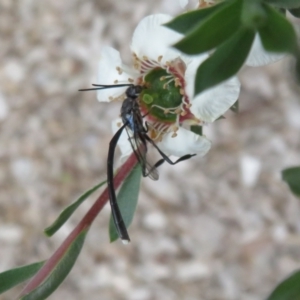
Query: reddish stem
86, 222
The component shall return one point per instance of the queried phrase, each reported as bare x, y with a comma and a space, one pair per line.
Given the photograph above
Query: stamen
185, 101
130, 80
116, 81
148, 63
146, 66
120, 71
158, 129
177, 82
170, 110
178, 111
167, 83
159, 58
181, 91
183, 113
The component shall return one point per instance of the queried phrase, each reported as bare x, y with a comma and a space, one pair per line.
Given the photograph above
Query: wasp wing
139, 147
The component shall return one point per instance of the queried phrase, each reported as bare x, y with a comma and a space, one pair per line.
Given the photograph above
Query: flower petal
183, 3
186, 142
110, 60
214, 102
258, 56
192, 64
123, 142
152, 40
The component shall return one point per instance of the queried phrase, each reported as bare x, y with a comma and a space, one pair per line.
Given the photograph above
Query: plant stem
84, 224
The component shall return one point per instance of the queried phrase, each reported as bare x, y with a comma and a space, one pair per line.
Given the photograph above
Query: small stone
22, 169
3, 107
250, 168
10, 233
192, 270
155, 220
140, 294
14, 71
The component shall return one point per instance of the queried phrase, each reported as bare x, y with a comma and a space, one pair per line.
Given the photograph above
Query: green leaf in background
278, 34
68, 211
197, 129
284, 3
295, 12
127, 200
225, 61
185, 22
235, 107
253, 14
13, 277
289, 289
59, 272
292, 177
214, 30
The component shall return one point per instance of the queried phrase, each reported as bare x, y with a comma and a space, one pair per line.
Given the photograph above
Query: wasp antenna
103, 86
92, 89
112, 85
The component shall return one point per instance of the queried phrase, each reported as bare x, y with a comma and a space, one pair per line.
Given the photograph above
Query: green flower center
161, 96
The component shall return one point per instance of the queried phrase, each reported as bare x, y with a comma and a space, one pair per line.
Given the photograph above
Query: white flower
183, 3
201, 3
258, 56
152, 54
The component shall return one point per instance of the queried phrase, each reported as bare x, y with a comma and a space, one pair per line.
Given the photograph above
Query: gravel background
224, 227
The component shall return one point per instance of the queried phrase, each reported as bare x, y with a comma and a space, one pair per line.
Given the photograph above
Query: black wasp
137, 131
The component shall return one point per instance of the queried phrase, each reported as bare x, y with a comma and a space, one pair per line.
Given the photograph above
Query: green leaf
15, 276
278, 34
253, 14
127, 200
285, 3
295, 12
225, 61
197, 129
214, 30
68, 211
185, 22
59, 272
292, 177
289, 289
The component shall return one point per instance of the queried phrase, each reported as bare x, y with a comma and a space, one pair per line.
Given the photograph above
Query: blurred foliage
69, 210
228, 29
289, 289
13, 277
292, 177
